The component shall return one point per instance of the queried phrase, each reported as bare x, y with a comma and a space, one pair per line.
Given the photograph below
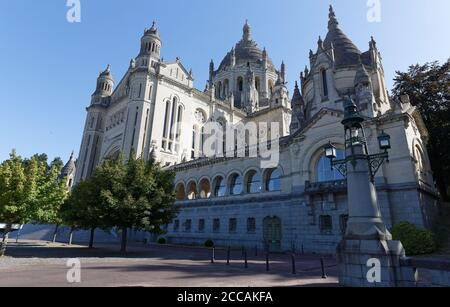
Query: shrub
162, 240
415, 241
209, 243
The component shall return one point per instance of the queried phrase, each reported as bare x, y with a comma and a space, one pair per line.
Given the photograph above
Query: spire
372, 43
283, 71
332, 22
246, 36
320, 43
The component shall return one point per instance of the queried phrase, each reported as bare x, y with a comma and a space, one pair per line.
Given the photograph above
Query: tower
150, 52
90, 150
298, 110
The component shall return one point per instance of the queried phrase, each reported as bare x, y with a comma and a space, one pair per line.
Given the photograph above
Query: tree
29, 191
53, 192
136, 194
82, 208
428, 89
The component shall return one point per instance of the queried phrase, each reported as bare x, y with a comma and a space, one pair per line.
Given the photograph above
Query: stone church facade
155, 110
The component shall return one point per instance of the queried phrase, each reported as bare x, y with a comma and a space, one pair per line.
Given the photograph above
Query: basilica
297, 203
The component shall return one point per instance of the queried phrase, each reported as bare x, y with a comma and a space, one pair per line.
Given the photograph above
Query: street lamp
354, 139
330, 151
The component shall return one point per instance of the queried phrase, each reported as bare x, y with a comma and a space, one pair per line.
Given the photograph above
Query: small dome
346, 53
69, 168
106, 73
153, 31
246, 51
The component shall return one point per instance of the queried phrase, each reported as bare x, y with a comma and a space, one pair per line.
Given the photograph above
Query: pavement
40, 263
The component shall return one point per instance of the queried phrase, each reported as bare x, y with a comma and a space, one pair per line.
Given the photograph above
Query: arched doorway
272, 233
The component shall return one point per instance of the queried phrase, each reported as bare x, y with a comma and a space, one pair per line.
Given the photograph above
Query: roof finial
71, 155
332, 22
247, 32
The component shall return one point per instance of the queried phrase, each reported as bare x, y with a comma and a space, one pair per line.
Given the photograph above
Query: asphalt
39, 263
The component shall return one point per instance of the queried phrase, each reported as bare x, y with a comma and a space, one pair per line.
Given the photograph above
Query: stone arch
204, 187
180, 191
251, 179
192, 193
312, 155
232, 182
219, 189
268, 176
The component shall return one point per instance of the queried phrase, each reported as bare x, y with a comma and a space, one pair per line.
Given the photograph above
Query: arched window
257, 83
236, 185
226, 88
252, 182
240, 84
323, 73
273, 180
192, 190
220, 188
181, 192
270, 88
324, 171
205, 189
219, 90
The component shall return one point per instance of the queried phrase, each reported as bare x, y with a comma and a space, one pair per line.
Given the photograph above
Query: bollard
228, 255
267, 262
245, 259
324, 275
294, 271
213, 255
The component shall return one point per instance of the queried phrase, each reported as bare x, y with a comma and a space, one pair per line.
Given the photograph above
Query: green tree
52, 190
29, 191
83, 210
136, 194
428, 89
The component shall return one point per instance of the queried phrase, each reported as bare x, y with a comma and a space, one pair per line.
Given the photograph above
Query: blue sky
48, 67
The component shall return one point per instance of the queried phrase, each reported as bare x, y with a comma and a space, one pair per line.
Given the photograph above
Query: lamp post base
374, 263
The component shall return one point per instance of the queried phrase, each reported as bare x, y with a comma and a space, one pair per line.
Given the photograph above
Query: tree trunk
123, 247
91, 239
5, 240
18, 233
71, 235
55, 233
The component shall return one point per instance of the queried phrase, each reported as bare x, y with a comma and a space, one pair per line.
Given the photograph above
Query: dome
69, 168
153, 31
346, 53
106, 73
246, 50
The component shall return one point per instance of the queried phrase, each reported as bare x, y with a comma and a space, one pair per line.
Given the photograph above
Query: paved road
37, 263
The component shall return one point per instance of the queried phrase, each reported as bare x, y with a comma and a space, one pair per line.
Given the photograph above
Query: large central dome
246, 50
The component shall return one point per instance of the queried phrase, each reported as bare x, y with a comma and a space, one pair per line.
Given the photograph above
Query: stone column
367, 248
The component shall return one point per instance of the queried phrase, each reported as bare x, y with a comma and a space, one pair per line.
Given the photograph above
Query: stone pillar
367, 247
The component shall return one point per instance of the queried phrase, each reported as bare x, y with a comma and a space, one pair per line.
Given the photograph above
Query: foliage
428, 89
415, 241
209, 243
162, 241
30, 190
125, 194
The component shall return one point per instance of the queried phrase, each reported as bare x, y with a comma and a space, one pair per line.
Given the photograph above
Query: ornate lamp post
366, 236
